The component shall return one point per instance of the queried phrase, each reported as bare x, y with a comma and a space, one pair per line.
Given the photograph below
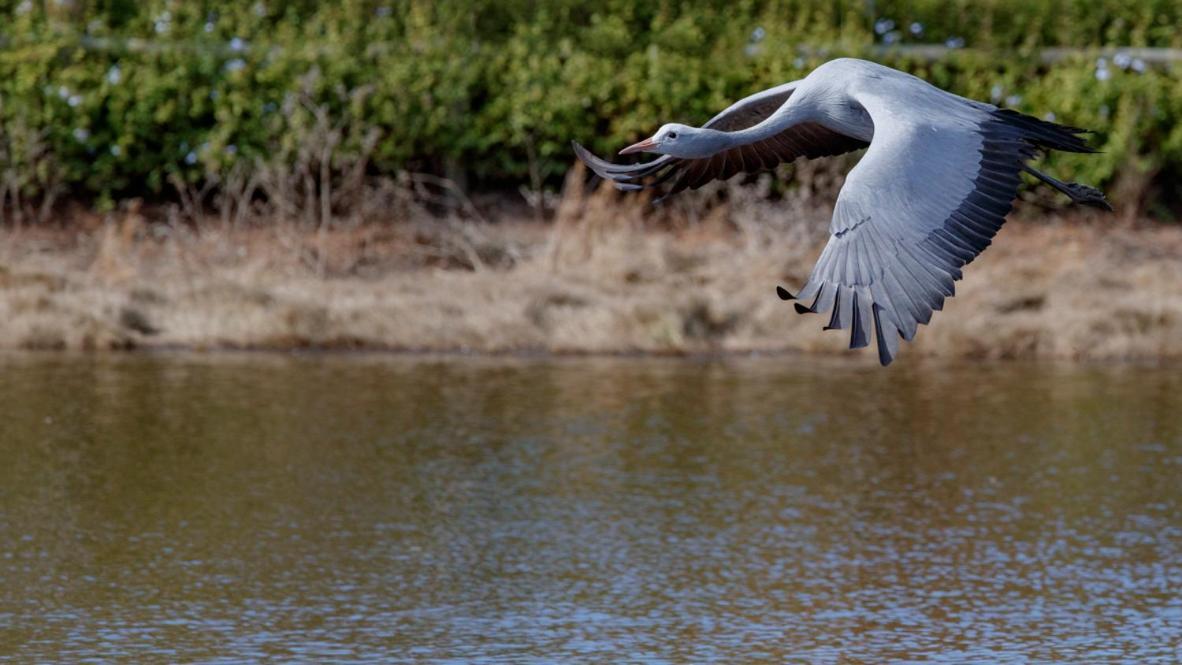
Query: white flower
883, 26
235, 65
758, 34
237, 44
1049, 116
916, 28
114, 75
191, 158
1138, 65
996, 93
74, 100
954, 42
1102, 74
81, 134
1013, 100
116, 151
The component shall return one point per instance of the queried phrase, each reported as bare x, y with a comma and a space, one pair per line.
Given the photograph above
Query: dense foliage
109, 98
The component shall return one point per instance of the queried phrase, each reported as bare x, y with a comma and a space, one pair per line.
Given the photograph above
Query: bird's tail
1044, 134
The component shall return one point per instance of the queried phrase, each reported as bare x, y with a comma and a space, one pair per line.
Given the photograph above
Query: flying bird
938, 178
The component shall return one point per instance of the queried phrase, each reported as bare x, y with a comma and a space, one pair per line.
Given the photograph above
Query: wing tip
580, 152
887, 336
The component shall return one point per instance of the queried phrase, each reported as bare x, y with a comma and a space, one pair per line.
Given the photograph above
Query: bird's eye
671, 135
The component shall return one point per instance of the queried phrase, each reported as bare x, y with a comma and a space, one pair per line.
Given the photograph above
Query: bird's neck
784, 117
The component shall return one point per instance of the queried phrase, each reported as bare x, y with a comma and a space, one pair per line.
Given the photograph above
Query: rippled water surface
403, 509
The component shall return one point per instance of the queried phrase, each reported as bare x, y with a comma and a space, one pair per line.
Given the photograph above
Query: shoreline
591, 283
841, 357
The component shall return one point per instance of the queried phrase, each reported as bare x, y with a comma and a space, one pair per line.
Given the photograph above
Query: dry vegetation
606, 274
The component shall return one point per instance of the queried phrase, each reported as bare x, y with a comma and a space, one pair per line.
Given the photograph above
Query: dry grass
606, 275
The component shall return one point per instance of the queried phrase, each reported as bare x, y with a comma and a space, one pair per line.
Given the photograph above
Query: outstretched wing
808, 139
925, 200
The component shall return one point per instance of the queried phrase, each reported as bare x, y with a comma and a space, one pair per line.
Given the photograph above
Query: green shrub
110, 99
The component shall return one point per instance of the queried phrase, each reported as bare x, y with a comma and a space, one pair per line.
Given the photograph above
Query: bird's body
938, 178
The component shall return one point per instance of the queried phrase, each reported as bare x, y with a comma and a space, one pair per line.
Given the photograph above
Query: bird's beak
647, 144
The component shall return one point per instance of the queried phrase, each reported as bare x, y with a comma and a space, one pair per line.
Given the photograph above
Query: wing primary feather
687, 177
736, 155
825, 298
888, 340
905, 308
946, 259
884, 254
977, 225
729, 165
860, 319
939, 279
937, 238
709, 171
969, 231
752, 158
926, 293
956, 241
842, 307
610, 171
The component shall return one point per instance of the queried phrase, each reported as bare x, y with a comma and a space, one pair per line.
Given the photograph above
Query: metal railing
930, 52
1049, 55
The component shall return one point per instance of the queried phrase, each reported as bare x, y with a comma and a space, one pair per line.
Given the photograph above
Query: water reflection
406, 509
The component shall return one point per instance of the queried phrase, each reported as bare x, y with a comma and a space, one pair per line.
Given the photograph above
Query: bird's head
678, 141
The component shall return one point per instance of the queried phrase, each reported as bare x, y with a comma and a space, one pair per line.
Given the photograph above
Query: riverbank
600, 278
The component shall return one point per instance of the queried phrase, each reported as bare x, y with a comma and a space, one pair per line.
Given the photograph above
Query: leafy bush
110, 99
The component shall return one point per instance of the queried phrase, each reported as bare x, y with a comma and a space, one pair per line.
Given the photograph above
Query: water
403, 509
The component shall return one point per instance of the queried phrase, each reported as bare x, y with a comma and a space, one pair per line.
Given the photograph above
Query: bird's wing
752, 109
809, 140
927, 198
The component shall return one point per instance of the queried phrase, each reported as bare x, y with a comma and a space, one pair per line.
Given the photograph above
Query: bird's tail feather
1044, 134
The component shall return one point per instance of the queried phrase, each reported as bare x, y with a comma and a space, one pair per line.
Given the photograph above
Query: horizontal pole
1049, 55
930, 52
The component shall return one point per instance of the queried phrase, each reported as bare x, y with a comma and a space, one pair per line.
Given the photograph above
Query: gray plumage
938, 178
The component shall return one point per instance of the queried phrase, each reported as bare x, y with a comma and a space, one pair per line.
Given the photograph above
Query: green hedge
112, 98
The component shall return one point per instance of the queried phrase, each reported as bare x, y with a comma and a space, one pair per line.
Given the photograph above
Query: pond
240, 507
